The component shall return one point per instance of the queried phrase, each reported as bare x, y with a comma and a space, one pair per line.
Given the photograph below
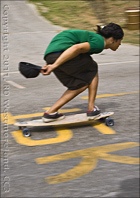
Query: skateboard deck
68, 120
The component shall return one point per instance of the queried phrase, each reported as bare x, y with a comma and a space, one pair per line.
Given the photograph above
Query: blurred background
86, 14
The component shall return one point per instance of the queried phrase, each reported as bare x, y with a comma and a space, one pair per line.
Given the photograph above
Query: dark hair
111, 30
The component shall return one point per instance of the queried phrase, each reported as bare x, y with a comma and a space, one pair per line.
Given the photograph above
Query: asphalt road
84, 161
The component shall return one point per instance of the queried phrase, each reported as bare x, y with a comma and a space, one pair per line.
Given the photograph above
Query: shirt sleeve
96, 43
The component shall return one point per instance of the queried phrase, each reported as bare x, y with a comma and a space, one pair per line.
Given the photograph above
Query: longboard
76, 119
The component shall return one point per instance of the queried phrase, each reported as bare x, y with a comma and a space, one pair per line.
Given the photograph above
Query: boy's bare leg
92, 91
65, 98
70, 94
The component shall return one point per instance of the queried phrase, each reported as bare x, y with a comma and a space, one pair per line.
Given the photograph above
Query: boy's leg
70, 94
92, 91
65, 98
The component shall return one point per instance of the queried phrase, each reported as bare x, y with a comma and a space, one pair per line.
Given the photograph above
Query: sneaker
93, 114
52, 117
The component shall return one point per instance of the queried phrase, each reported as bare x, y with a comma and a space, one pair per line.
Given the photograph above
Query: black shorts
75, 73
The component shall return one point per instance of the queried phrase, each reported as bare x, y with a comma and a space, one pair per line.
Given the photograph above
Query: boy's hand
46, 70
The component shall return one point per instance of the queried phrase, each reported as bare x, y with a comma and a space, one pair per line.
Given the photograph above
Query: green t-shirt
67, 38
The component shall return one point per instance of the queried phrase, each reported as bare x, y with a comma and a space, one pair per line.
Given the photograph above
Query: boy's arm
68, 54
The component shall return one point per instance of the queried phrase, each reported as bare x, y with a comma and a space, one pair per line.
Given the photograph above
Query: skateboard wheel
109, 122
26, 132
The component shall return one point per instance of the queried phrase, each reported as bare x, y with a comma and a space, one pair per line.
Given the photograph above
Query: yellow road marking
65, 110
85, 166
10, 118
89, 158
111, 95
63, 135
102, 128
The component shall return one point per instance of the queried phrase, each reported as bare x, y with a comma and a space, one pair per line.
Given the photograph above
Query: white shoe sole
52, 120
93, 117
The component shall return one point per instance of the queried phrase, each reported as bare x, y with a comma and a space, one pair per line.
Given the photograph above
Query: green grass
69, 14
87, 14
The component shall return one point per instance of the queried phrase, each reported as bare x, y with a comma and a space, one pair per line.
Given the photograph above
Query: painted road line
15, 72
15, 85
110, 63
122, 62
111, 95
89, 160
63, 135
12, 119
65, 110
102, 128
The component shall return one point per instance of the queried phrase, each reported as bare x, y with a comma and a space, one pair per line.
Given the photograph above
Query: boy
68, 56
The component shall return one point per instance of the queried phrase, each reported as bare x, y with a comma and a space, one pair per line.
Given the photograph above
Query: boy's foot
52, 117
93, 114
